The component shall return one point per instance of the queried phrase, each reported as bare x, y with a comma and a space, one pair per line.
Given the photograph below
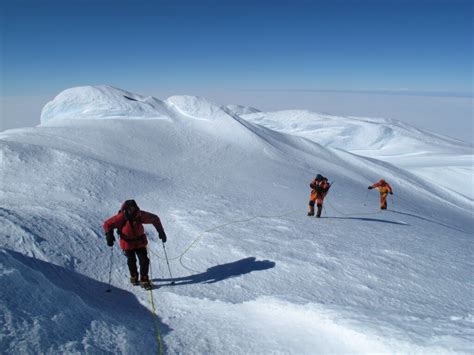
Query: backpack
318, 188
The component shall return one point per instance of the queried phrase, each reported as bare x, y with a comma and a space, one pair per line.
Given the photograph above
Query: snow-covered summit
103, 102
100, 102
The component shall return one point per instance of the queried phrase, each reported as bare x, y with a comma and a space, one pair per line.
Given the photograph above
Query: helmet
319, 177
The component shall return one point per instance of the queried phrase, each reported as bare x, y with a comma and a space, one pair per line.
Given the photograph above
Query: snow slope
436, 158
264, 278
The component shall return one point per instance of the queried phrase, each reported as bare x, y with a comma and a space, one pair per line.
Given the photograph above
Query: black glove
110, 238
391, 193
163, 237
370, 187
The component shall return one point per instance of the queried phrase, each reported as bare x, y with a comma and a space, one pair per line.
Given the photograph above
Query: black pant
142, 259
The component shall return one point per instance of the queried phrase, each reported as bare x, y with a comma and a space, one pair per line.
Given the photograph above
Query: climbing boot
134, 280
145, 283
320, 209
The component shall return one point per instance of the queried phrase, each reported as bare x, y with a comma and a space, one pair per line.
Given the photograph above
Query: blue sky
388, 45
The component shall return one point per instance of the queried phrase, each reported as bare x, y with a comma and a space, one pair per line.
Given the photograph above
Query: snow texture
252, 273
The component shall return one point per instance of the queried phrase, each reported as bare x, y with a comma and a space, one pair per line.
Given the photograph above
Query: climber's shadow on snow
371, 220
61, 298
225, 271
429, 220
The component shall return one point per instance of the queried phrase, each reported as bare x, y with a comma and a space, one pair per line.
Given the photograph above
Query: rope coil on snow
201, 235
351, 214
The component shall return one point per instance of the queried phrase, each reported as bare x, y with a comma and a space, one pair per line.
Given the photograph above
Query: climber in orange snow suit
319, 189
384, 189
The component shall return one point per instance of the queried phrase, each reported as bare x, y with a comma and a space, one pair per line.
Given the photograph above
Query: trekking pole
167, 262
110, 271
331, 184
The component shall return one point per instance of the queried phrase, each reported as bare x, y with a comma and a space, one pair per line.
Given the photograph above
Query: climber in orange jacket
384, 189
320, 187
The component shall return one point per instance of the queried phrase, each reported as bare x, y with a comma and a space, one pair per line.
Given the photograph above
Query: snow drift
264, 278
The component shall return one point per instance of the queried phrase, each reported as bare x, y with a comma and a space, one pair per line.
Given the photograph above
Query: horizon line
459, 94
427, 93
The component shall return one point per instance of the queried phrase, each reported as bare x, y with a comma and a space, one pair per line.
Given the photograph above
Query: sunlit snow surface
270, 279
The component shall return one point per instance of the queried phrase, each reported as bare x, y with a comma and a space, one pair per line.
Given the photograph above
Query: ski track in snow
253, 274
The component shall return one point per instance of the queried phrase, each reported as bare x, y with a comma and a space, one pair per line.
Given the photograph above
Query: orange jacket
383, 186
320, 189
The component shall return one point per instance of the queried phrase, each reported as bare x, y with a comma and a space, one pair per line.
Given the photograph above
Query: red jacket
132, 233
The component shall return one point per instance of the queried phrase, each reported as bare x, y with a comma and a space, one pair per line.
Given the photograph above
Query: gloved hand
391, 193
163, 237
110, 238
370, 187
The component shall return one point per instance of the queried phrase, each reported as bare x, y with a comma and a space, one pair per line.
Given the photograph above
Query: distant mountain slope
436, 158
386, 136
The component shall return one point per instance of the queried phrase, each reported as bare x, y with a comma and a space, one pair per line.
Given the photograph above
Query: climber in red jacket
129, 223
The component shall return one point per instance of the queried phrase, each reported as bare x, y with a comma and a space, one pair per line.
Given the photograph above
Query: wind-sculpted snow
241, 110
101, 102
196, 107
253, 273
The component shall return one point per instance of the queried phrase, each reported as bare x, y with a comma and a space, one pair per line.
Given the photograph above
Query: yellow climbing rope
201, 235
155, 318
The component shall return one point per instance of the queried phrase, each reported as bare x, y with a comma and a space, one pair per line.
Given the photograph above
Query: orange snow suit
384, 189
318, 193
